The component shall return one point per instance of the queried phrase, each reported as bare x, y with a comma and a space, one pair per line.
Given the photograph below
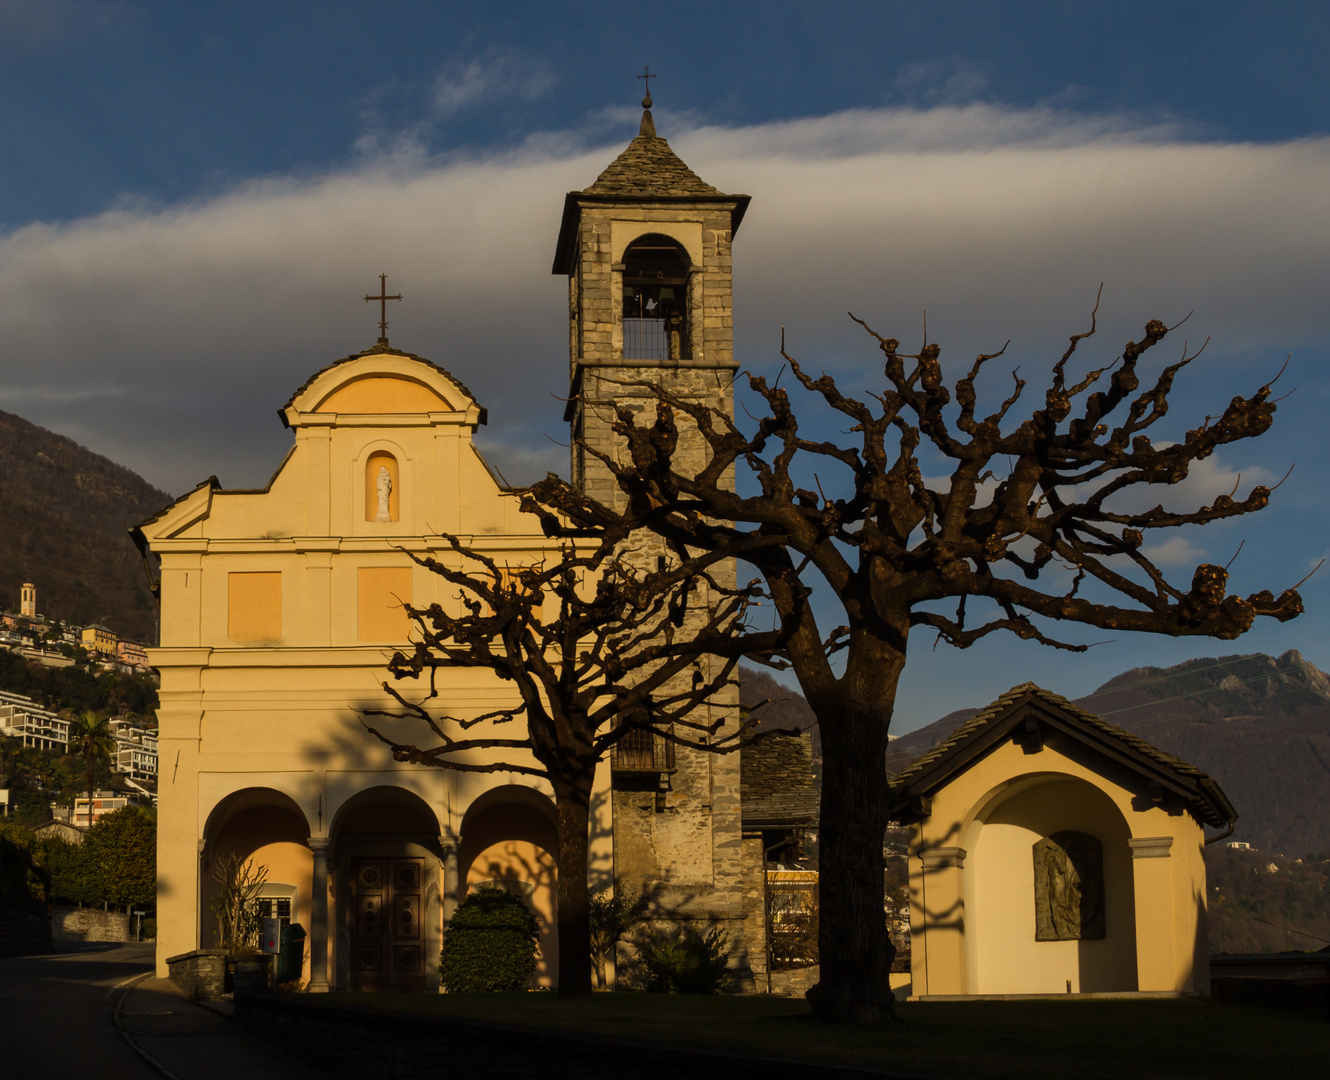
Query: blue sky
194, 198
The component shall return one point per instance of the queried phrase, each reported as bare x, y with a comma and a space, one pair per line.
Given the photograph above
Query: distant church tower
28, 600
647, 252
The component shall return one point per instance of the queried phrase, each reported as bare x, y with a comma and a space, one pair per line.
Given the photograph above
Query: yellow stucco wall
972, 880
280, 609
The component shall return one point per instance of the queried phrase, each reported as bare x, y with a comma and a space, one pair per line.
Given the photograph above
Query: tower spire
648, 127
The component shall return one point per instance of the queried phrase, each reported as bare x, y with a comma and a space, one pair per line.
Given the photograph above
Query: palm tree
90, 738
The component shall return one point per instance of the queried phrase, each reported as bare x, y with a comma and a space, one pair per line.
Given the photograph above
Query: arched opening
389, 892
655, 300
1011, 948
509, 839
383, 499
266, 831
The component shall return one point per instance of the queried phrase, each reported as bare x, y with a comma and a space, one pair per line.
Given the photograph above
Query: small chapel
281, 606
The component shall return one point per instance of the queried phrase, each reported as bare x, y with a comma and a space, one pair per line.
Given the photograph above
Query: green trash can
291, 960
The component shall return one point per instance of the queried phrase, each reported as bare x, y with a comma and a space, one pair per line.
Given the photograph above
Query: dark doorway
387, 936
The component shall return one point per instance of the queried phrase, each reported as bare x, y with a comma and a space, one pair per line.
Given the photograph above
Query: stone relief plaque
1068, 887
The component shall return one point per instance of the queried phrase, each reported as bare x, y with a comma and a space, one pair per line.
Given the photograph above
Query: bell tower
646, 249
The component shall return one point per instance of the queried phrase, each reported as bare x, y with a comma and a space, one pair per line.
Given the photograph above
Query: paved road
59, 1014
56, 1013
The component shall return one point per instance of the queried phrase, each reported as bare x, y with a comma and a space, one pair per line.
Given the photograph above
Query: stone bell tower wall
677, 835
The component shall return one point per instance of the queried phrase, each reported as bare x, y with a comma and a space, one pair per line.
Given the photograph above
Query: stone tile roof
973, 729
649, 167
776, 785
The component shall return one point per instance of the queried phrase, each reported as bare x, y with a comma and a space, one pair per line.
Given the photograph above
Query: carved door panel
387, 938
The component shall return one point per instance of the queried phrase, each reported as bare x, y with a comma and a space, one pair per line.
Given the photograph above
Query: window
642, 749
655, 300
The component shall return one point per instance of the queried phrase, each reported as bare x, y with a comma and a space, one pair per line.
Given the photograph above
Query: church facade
281, 607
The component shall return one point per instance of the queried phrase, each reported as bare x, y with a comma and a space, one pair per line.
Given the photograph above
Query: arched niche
656, 310
1005, 955
509, 839
380, 461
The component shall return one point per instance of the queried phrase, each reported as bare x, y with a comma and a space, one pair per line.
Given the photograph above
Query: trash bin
291, 960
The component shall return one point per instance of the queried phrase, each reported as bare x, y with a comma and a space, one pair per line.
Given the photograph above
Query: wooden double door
388, 933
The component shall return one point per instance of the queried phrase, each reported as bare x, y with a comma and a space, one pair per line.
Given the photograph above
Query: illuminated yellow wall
279, 611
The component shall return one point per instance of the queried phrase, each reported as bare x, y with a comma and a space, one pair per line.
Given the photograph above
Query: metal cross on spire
646, 77
383, 299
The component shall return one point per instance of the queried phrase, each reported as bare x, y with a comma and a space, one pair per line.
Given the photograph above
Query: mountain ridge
63, 527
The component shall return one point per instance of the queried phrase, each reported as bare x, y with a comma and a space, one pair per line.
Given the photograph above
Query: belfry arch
657, 308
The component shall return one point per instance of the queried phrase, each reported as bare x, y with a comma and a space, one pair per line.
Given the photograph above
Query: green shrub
490, 944
685, 961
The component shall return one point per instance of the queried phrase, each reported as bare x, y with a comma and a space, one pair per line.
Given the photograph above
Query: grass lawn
1160, 1038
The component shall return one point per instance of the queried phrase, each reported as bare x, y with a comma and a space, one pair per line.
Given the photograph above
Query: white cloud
937, 82
1175, 551
1000, 222
496, 73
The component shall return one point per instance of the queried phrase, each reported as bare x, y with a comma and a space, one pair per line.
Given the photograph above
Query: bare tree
598, 650
1031, 526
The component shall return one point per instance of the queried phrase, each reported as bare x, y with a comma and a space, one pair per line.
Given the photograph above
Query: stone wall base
201, 974
89, 924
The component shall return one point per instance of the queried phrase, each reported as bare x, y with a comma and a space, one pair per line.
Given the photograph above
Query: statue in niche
1068, 887
384, 486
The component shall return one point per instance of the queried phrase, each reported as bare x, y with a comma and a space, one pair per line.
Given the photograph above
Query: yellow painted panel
254, 606
383, 592
383, 394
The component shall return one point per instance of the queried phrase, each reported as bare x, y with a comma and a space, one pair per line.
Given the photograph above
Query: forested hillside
64, 512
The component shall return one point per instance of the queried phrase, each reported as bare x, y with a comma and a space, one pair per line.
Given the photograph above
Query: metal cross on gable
383, 299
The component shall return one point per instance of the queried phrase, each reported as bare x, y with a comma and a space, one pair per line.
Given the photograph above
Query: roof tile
649, 167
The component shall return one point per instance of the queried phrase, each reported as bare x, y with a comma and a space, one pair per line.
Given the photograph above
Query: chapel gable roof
776, 785
1023, 713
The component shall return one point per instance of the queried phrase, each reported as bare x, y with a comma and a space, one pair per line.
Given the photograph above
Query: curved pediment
382, 382
378, 393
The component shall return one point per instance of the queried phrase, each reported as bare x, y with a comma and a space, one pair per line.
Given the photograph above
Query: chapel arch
657, 316
1012, 879
509, 838
388, 886
265, 830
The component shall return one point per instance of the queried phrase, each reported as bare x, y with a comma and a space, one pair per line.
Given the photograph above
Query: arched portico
387, 885
265, 828
509, 838
1004, 952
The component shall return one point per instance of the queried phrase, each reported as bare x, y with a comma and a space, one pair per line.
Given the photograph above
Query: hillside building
22, 718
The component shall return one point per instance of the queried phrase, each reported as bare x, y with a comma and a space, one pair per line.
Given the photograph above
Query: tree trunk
574, 898
854, 946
